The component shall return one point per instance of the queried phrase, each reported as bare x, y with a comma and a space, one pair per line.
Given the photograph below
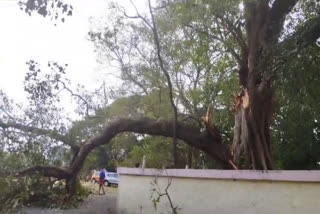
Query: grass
94, 188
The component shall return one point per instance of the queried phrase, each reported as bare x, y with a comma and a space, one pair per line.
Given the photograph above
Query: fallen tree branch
190, 134
50, 133
46, 171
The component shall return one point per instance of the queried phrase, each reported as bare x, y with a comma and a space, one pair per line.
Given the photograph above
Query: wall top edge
271, 175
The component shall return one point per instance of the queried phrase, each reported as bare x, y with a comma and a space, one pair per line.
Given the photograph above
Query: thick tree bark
71, 184
251, 142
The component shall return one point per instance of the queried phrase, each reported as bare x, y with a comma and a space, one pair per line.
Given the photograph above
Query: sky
25, 37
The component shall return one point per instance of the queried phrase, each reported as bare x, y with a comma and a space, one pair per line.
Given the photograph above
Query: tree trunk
189, 158
252, 114
251, 143
254, 105
174, 152
71, 185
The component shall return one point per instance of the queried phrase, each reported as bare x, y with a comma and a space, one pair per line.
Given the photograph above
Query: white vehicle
111, 178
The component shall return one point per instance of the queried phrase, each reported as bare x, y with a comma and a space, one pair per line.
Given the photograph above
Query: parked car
110, 178
95, 177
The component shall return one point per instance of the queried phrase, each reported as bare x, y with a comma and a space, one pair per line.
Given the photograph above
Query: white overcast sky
24, 37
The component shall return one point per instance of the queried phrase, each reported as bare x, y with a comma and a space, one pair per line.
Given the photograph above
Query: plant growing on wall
157, 194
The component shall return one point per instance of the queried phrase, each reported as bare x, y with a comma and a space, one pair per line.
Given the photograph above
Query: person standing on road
102, 176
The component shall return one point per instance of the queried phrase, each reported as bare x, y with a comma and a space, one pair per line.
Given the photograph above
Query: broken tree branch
46, 171
190, 134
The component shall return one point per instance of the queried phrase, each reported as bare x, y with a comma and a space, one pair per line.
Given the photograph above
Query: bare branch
125, 69
166, 73
156, 188
139, 16
77, 96
7, 113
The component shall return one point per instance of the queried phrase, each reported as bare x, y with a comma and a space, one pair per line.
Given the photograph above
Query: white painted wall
219, 196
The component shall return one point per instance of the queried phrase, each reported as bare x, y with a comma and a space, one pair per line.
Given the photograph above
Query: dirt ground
94, 204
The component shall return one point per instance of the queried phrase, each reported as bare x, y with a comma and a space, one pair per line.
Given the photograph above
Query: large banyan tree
258, 36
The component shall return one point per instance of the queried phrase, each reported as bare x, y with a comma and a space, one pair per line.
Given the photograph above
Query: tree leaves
54, 9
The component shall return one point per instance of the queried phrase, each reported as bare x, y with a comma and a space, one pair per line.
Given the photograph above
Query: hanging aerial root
233, 165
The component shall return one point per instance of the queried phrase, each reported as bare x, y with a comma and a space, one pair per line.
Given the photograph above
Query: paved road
94, 204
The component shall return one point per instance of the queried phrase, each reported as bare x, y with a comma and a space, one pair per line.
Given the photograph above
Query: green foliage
36, 191
18, 192
122, 107
156, 150
57, 10
296, 128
